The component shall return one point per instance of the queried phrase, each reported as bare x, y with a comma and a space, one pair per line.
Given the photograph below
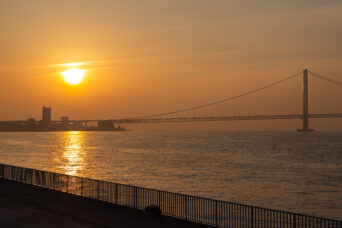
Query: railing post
98, 189
58, 182
31, 176
67, 190
159, 202
55, 181
252, 217
81, 186
216, 219
135, 197
294, 221
20, 175
186, 206
116, 193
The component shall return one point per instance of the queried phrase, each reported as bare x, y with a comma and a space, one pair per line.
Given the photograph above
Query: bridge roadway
201, 119
225, 118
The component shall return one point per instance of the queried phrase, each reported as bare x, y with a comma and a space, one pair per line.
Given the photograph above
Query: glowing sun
74, 76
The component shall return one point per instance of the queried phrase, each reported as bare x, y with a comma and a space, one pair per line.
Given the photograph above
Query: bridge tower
305, 118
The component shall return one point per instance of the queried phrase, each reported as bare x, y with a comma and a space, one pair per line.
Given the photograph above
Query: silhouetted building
46, 114
31, 124
31, 121
64, 119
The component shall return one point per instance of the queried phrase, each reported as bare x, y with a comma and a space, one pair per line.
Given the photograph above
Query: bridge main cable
220, 101
326, 78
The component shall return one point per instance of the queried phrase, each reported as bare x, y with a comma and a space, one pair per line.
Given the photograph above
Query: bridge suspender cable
221, 101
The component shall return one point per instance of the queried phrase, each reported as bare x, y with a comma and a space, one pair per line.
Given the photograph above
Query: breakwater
202, 210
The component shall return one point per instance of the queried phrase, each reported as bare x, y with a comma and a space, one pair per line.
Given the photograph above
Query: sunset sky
145, 57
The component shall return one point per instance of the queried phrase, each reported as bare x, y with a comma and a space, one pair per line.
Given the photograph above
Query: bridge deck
226, 118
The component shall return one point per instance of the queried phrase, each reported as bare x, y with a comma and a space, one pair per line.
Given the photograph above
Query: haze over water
281, 170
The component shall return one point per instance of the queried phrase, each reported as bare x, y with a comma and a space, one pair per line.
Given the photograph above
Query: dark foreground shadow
23, 205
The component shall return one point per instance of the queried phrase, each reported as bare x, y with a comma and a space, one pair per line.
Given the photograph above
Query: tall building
46, 114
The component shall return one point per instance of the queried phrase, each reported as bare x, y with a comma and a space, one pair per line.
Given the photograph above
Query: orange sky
149, 56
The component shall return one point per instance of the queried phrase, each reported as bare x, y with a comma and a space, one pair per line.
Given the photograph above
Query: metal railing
202, 210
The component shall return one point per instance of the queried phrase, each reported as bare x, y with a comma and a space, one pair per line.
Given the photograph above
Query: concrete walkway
23, 205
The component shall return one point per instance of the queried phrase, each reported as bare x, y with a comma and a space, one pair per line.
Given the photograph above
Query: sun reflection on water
72, 159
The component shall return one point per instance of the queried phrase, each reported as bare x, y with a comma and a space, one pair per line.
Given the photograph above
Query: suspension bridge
282, 104
304, 116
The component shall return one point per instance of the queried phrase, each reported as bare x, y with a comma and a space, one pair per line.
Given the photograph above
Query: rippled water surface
282, 170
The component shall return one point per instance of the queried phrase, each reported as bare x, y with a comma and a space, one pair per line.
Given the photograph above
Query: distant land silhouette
46, 124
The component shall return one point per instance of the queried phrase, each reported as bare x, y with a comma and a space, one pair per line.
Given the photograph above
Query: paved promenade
22, 205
